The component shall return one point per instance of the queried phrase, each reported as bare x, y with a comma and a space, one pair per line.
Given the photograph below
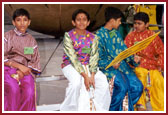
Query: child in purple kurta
21, 64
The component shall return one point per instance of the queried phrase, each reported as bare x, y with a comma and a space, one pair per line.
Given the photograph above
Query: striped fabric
14, 44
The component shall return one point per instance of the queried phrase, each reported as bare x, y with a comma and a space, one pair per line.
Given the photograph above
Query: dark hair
76, 12
21, 12
112, 12
142, 16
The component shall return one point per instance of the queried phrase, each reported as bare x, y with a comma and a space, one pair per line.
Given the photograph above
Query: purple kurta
20, 97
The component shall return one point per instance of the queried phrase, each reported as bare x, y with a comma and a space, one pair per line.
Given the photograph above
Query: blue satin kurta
110, 45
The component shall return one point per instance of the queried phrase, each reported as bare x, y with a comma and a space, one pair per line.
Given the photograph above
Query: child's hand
86, 81
116, 66
21, 75
92, 81
137, 58
87, 84
160, 69
25, 70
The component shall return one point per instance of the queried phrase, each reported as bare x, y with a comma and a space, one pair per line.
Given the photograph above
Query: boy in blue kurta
126, 89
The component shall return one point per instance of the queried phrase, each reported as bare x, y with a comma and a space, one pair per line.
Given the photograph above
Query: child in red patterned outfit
151, 64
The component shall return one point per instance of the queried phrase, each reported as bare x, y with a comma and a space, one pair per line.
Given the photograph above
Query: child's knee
123, 88
138, 87
76, 85
29, 92
106, 85
121, 83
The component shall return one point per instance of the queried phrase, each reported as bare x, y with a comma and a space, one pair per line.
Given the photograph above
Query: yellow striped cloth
133, 49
